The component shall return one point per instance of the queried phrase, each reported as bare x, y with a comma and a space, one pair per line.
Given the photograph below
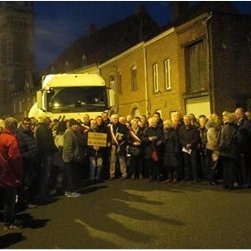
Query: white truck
72, 96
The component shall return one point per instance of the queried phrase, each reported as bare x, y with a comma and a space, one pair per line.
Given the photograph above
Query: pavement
137, 214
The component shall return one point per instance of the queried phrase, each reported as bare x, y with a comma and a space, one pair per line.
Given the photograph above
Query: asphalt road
137, 214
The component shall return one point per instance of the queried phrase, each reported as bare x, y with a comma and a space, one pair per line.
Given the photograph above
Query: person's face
238, 114
26, 125
202, 122
143, 120
105, 116
93, 124
99, 121
134, 124
156, 116
74, 128
187, 121
115, 119
153, 123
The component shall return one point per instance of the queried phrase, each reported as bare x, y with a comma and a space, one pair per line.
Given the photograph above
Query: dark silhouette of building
16, 51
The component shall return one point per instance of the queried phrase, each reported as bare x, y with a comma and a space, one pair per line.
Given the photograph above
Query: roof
60, 80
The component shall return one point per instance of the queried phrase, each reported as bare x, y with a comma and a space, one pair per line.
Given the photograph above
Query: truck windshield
77, 99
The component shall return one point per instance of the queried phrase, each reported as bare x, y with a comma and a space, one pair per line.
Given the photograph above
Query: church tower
17, 62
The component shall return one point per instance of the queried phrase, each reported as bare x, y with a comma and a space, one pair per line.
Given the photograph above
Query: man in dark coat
244, 146
228, 150
29, 151
189, 139
11, 170
151, 140
46, 150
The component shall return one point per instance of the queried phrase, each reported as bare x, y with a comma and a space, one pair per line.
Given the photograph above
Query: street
138, 214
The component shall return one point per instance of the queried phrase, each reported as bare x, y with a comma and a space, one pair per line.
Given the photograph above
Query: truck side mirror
42, 100
39, 99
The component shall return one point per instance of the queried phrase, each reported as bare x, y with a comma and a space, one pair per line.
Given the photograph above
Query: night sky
59, 23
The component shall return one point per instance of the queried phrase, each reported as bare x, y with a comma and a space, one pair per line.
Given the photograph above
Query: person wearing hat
71, 156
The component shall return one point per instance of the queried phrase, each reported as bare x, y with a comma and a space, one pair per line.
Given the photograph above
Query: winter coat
150, 146
213, 136
135, 150
45, 141
27, 144
171, 147
244, 136
189, 135
71, 148
228, 141
11, 164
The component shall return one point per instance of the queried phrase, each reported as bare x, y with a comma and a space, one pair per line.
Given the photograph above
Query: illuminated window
167, 74
155, 78
134, 82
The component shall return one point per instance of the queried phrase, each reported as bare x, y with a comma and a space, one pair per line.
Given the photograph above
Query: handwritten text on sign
97, 139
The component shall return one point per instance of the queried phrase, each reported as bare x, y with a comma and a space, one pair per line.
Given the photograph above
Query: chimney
92, 29
178, 8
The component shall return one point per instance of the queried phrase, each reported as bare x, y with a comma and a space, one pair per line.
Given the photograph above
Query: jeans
45, 172
96, 165
190, 165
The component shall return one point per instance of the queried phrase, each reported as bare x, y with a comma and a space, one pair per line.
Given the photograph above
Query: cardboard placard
97, 139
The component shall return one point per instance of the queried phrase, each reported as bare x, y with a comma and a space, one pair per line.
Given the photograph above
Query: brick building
200, 65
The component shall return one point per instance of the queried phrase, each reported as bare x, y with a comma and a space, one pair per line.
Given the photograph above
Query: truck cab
72, 96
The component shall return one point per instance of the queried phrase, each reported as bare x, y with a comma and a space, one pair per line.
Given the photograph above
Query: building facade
200, 66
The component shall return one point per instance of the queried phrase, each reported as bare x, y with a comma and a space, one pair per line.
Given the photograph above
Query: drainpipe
146, 82
210, 62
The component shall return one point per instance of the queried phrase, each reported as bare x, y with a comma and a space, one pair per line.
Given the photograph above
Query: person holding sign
95, 145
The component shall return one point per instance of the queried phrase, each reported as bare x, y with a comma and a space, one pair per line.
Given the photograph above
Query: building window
196, 67
167, 74
134, 84
111, 82
155, 78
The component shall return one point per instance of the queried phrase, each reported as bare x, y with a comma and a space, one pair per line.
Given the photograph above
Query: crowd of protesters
39, 158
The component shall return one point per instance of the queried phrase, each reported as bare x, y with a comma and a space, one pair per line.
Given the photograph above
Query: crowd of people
39, 158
